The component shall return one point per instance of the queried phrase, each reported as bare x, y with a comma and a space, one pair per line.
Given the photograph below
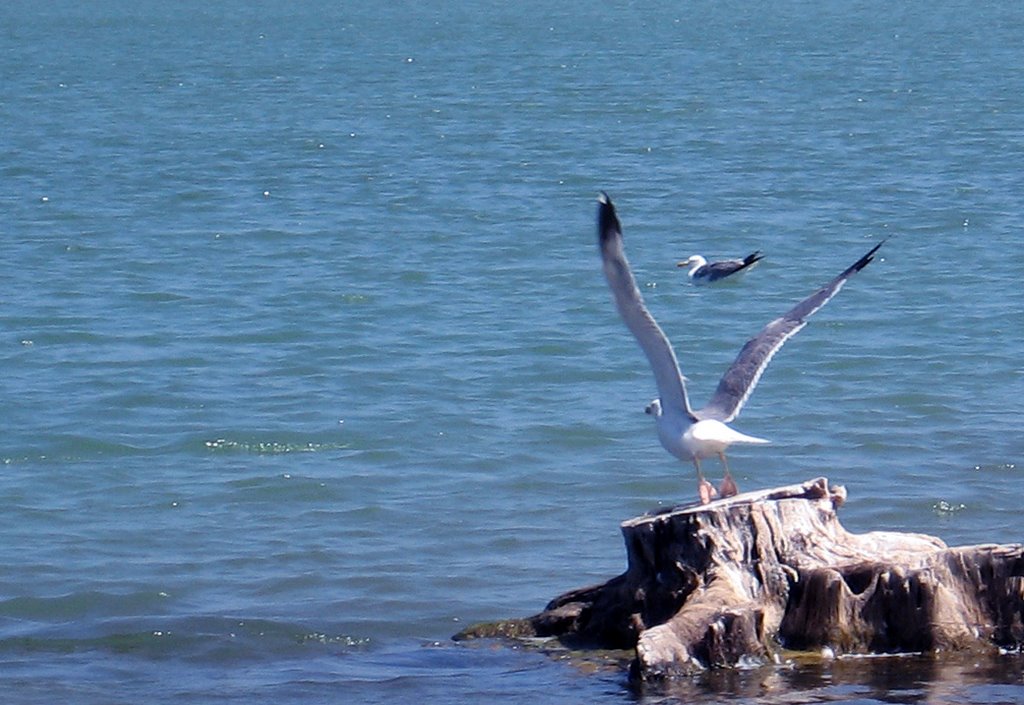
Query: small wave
944, 508
71, 448
271, 447
74, 606
160, 297
201, 638
356, 298
349, 642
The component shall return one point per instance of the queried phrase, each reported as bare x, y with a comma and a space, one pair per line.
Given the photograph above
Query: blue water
308, 362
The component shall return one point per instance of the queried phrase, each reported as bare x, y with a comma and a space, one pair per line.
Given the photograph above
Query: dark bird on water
704, 272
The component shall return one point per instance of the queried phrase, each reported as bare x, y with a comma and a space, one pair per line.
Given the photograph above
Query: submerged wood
737, 580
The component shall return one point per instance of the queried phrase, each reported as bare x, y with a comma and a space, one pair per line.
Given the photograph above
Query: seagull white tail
752, 440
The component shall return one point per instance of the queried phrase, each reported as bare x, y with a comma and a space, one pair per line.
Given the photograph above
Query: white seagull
704, 272
687, 433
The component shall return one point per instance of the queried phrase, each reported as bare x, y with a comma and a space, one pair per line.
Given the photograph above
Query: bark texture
739, 579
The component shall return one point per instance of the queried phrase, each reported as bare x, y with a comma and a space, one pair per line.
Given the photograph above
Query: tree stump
739, 579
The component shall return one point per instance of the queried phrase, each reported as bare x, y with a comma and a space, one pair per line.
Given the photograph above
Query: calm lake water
308, 361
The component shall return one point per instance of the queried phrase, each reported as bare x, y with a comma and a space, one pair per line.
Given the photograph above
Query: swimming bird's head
654, 408
692, 261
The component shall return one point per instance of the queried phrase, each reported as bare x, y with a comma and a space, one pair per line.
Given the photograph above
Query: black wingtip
607, 221
863, 261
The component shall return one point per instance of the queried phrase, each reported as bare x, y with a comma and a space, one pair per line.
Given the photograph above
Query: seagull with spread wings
688, 433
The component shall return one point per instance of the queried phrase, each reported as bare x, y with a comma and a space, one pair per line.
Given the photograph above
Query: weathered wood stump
740, 579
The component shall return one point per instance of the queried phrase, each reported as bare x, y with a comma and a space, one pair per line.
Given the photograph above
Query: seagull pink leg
705, 490
729, 487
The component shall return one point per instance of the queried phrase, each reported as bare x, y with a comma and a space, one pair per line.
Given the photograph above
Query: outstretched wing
742, 376
634, 313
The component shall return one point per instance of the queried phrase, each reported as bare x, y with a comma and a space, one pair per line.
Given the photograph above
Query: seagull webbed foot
729, 487
706, 491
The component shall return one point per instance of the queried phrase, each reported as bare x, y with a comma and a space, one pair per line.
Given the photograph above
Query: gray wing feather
742, 376
720, 270
634, 313
724, 268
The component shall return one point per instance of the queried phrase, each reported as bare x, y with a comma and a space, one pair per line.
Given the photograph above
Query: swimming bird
704, 272
688, 433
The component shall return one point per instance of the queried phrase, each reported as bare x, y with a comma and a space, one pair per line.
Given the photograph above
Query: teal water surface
308, 361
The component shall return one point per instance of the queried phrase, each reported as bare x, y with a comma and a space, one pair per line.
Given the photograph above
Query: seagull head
654, 408
693, 261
